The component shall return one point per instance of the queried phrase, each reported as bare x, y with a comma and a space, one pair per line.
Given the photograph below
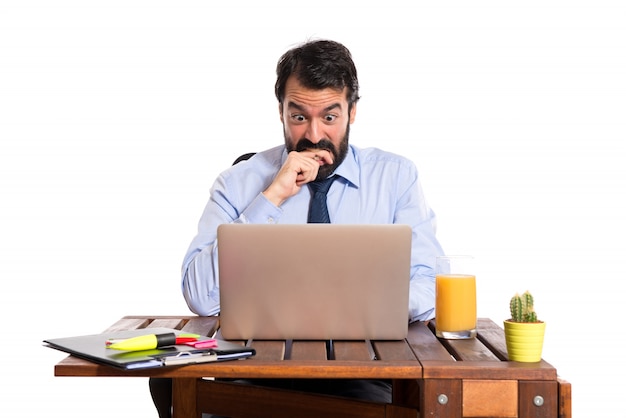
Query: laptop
314, 281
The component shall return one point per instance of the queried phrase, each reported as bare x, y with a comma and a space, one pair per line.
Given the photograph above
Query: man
317, 90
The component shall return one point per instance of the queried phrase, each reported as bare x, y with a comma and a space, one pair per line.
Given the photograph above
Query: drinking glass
455, 303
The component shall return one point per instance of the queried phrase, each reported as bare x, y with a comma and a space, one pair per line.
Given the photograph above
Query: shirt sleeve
413, 210
200, 270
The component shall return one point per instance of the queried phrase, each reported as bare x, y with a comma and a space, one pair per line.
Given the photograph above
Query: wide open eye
298, 117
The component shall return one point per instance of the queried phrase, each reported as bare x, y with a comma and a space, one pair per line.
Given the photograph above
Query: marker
151, 341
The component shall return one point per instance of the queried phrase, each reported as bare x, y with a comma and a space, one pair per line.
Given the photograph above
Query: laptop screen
314, 281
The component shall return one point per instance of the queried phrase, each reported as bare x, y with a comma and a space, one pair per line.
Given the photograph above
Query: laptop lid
314, 281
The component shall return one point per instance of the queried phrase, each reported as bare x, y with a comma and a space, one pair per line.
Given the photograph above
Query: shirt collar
349, 168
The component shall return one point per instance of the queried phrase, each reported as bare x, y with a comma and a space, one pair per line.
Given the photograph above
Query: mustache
323, 144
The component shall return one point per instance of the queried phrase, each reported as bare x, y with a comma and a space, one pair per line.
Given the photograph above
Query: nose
314, 132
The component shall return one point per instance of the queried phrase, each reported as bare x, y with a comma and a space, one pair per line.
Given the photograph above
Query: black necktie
318, 211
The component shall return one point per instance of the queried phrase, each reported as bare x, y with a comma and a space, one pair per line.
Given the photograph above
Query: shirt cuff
262, 211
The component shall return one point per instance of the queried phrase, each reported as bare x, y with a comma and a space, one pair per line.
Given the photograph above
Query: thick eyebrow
332, 106
293, 105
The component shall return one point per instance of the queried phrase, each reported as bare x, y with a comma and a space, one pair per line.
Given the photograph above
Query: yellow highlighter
148, 342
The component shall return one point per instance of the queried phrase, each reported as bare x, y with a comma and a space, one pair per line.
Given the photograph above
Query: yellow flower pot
524, 340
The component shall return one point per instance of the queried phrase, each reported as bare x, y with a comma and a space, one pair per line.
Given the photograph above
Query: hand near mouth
299, 169
322, 156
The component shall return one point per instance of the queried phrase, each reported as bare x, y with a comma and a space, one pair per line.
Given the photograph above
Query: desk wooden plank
126, 323
565, 398
231, 399
268, 350
175, 323
184, 394
393, 351
493, 337
254, 368
202, 325
507, 370
469, 350
425, 345
538, 399
465, 350
353, 350
309, 350
490, 398
430, 393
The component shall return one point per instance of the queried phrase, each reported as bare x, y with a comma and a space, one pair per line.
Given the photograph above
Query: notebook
314, 281
93, 348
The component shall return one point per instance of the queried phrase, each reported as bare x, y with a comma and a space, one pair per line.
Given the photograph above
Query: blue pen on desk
151, 341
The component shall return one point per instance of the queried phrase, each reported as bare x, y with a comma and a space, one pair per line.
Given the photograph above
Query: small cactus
522, 308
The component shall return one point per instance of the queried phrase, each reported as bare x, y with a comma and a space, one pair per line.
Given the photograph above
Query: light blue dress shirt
374, 187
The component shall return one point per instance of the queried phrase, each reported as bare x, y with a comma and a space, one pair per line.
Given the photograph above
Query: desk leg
406, 392
184, 398
565, 398
441, 398
538, 399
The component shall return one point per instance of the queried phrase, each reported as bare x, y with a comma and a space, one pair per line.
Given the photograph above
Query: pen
151, 341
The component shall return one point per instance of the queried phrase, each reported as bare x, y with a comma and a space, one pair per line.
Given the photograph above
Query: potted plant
523, 332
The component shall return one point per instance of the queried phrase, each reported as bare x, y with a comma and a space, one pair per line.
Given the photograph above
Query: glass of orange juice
455, 303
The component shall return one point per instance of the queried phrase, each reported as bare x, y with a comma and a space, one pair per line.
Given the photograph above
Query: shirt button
271, 220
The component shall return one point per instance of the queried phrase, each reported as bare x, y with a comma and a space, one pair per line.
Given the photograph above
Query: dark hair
319, 65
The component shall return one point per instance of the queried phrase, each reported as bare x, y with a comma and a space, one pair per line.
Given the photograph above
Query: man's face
316, 119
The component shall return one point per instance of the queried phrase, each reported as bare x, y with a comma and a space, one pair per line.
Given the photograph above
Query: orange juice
455, 304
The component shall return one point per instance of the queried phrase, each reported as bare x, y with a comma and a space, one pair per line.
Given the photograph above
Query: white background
116, 116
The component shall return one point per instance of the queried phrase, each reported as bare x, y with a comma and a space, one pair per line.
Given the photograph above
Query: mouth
320, 160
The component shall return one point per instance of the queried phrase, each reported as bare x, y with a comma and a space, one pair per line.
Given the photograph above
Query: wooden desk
440, 378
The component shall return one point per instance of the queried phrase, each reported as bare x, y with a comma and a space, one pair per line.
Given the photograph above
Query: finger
304, 162
321, 156
308, 172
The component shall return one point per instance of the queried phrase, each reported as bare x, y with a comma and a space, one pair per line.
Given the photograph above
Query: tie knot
321, 186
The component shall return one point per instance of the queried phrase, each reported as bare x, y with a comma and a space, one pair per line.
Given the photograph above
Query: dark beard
338, 154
